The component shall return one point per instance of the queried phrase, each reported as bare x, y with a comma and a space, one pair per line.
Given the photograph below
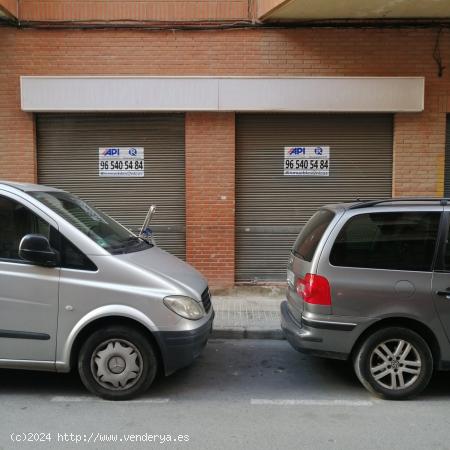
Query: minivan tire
378, 354
117, 363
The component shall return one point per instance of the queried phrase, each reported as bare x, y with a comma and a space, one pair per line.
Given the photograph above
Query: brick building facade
112, 49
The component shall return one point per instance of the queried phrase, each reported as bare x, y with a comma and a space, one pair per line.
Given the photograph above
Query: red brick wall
210, 142
153, 10
419, 138
419, 145
10, 6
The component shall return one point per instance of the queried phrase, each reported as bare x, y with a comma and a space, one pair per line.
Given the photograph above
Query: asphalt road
239, 395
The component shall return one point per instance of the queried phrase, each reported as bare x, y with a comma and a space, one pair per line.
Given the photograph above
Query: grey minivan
370, 282
77, 289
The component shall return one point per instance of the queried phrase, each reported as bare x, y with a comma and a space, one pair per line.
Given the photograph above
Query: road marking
75, 399
309, 402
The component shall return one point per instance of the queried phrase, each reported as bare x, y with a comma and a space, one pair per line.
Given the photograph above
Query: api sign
121, 162
307, 161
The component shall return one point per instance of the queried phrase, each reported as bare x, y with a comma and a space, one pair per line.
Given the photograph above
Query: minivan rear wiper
298, 254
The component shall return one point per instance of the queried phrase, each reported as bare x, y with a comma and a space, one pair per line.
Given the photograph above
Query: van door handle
445, 294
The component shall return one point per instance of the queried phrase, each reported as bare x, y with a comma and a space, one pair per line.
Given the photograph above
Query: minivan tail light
314, 289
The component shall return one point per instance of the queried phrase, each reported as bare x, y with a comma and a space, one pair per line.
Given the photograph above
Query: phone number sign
307, 161
121, 162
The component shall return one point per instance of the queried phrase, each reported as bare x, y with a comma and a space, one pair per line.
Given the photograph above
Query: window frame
444, 234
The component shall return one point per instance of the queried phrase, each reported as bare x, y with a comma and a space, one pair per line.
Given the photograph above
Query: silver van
370, 282
77, 289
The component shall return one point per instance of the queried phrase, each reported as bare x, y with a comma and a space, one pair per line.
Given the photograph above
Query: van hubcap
116, 364
395, 364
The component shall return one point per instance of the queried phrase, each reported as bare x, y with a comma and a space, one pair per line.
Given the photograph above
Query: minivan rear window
307, 241
391, 240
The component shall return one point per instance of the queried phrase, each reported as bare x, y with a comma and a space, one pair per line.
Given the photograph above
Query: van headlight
185, 307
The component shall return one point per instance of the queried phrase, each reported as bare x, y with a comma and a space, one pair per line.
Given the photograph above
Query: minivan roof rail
368, 203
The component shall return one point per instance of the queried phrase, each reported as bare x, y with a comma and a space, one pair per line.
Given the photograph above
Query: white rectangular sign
307, 161
121, 162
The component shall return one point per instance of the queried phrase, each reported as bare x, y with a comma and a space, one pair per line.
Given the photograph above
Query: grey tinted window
72, 257
306, 244
16, 220
396, 241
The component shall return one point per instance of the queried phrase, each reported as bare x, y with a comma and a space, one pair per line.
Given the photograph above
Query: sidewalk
251, 312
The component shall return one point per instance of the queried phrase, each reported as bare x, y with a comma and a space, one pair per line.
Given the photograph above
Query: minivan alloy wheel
116, 364
395, 364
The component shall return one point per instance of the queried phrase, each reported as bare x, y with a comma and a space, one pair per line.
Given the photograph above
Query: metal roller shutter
271, 208
447, 160
68, 159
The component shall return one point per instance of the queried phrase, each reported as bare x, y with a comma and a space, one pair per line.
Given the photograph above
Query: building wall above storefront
298, 10
132, 10
248, 11
8, 9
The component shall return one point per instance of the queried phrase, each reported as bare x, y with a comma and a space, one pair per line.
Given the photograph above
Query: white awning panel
308, 94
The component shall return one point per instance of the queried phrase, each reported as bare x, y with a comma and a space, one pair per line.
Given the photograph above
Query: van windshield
98, 226
308, 239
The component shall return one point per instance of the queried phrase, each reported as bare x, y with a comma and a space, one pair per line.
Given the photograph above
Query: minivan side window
72, 257
308, 239
16, 221
389, 240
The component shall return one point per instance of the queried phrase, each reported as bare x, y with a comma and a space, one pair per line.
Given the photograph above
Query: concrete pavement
251, 312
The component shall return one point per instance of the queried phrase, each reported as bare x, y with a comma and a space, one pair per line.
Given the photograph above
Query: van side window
72, 257
391, 240
16, 221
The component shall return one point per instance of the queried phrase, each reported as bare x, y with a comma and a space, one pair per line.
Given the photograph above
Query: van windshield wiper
129, 242
134, 239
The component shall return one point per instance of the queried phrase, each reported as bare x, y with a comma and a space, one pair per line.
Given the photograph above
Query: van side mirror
35, 248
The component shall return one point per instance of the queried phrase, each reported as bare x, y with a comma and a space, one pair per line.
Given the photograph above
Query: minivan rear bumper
181, 348
314, 337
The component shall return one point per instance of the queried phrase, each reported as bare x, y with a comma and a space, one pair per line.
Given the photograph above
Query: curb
247, 333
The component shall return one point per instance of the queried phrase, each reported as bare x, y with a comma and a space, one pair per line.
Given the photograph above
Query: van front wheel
394, 363
117, 363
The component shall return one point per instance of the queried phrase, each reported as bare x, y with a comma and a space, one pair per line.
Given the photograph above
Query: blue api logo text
297, 151
111, 152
